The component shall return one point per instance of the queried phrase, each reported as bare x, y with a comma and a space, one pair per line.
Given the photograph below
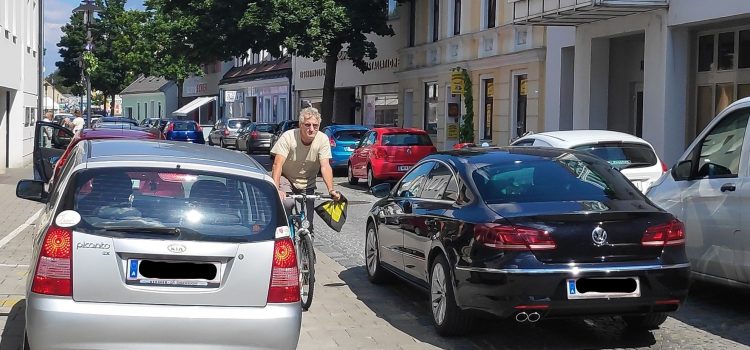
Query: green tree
466, 132
71, 50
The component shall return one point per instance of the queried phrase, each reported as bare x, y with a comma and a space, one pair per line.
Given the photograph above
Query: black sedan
527, 233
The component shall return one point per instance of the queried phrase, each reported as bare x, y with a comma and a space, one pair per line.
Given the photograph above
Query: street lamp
88, 8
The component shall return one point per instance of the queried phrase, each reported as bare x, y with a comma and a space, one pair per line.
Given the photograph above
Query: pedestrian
299, 155
47, 130
78, 122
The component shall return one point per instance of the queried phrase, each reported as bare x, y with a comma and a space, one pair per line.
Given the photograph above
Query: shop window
435, 20
705, 111
488, 97
521, 104
743, 90
705, 53
491, 13
430, 108
744, 54
412, 23
724, 96
726, 51
392, 9
386, 110
457, 17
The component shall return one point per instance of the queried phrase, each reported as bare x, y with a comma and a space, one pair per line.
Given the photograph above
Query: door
50, 142
712, 204
428, 219
361, 155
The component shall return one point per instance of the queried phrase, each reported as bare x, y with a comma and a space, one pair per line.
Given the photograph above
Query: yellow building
506, 64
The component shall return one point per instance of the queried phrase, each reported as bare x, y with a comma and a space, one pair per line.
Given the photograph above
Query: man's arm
278, 164
325, 169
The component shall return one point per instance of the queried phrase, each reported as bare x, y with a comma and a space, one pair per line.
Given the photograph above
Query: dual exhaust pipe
532, 317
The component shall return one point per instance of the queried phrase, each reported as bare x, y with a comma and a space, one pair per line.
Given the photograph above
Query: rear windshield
349, 135
184, 127
622, 155
551, 180
237, 123
152, 203
266, 128
406, 139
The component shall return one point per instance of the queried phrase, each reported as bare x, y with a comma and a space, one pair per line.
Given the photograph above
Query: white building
659, 69
19, 85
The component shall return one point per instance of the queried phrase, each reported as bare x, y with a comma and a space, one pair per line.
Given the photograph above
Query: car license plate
603, 288
135, 277
403, 168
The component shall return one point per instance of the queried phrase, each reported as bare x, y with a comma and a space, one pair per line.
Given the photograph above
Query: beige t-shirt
302, 162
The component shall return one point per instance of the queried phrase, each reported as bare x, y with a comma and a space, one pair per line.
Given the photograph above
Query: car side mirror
381, 190
32, 190
681, 171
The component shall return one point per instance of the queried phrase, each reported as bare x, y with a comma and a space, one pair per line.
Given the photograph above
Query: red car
387, 153
53, 143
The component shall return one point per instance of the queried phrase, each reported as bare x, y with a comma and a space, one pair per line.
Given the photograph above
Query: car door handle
728, 187
407, 207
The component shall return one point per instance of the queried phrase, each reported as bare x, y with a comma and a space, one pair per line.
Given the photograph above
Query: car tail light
53, 274
198, 128
284, 286
513, 237
226, 132
671, 233
381, 153
254, 135
664, 167
170, 127
332, 141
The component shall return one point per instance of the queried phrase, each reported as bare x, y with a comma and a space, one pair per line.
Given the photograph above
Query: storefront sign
457, 83
522, 88
201, 88
452, 131
313, 73
230, 96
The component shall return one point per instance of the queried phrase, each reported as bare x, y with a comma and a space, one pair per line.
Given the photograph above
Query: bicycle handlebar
308, 196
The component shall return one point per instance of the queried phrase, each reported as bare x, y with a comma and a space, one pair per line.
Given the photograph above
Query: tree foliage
466, 131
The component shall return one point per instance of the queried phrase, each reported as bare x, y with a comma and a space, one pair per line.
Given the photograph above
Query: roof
572, 138
399, 130
144, 84
115, 150
493, 154
337, 127
256, 71
91, 134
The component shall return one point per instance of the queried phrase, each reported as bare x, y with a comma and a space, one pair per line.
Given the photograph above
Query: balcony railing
576, 12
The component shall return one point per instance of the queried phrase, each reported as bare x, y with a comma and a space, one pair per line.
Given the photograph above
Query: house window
145, 109
491, 13
705, 53
430, 107
435, 19
412, 23
138, 105
457, 17
392, 9
160, 110
487, 96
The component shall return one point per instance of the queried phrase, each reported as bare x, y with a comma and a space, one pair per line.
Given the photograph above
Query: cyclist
300, 154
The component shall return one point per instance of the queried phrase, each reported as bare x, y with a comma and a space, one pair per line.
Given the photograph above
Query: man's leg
310, 208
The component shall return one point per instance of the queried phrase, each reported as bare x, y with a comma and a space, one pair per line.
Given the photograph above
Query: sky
57, 14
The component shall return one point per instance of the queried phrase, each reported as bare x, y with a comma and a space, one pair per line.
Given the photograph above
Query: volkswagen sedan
161, 245
527, 233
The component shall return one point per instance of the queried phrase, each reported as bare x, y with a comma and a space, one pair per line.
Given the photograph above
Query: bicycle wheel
307, 270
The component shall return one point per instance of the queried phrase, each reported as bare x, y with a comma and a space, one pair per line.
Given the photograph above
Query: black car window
551, 180
440, 184
622, 155
524, 142
204, 206
406, 139
270, 128
349, 135
412, 183
183, 126
721, 149
371, 139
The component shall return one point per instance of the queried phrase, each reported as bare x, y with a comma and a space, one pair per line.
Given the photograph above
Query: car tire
447, 317
371, 180
222, 144
25, 345
210, 143
648, 321
237, 145
247, 146
350, 174
375, 271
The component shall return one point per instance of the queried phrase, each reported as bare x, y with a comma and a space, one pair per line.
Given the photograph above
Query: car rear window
349, 135
184, 127
622, 155
266, 127
566, 178
126, 202
406, 139
237, 123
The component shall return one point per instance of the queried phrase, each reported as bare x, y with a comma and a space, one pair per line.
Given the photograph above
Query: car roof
114, 150
399, 130
572, 138
487, 155
117, 119
104, 133
337, 127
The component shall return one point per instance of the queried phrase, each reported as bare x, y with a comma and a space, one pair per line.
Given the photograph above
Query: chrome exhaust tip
534, 316
522, 317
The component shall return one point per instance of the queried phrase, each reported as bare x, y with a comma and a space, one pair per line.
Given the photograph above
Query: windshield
203, 206
622, 155
184, 127
349, 135
406, 139
237, 123
565, 178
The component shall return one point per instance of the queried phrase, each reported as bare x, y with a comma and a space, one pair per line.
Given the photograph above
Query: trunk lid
572, 226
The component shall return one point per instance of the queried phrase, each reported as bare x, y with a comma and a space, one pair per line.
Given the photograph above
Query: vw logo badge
599, 236
408, 150
176, 248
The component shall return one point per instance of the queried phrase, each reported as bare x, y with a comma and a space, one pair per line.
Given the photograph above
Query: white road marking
19, 229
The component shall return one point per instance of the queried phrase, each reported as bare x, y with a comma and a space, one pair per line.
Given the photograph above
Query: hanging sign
457, 83
523, 87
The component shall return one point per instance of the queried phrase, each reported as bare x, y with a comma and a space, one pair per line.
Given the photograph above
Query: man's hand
335, 195
282, 195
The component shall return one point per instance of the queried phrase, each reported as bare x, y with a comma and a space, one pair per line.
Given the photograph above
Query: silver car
224, 133
161, 245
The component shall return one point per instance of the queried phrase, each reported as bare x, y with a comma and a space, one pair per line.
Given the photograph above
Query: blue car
343, 138
184, 130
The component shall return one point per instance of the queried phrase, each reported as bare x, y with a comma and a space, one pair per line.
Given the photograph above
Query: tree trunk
112, 106
329, 88
180, 82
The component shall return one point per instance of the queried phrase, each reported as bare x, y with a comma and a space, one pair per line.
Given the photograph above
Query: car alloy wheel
371, 181
350, 174
447, 317
437, 294
375, 273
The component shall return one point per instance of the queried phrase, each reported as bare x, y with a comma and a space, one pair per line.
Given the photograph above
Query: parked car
225, 133
708, 190
527, 234
387, 153
120, 266
344, 139
184, 130
50, 155
632, 155
255, 137
115, 123
61, 118
159, 123
284, 126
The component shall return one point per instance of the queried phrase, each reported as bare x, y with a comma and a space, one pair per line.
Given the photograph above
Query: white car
708, 190
633, 156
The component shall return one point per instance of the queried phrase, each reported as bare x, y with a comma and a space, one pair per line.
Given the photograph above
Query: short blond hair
307, 113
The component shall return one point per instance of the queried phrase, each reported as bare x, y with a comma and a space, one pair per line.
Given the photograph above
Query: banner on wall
457, 83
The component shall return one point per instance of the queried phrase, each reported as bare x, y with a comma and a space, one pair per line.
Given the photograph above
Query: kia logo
176, 248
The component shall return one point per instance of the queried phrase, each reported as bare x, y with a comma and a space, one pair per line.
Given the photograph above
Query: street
349, 312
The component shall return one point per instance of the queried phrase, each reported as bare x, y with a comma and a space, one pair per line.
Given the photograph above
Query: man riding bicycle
300, 154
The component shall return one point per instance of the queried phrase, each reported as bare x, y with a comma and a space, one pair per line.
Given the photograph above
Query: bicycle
302, 237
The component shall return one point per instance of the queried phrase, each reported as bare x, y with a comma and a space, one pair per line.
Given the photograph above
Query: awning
193, 105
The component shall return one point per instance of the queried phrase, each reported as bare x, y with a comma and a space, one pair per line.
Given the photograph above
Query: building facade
200, 94
660, 70
19, 81
149, 97
506, 65
258, 87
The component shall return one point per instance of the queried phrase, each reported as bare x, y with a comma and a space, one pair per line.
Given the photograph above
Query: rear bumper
340, 157
499, 292
383, 170
260, 144
61, 323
